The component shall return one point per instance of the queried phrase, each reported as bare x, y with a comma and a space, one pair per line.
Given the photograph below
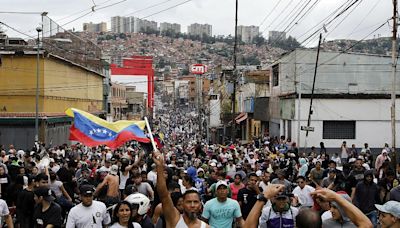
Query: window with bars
339, 130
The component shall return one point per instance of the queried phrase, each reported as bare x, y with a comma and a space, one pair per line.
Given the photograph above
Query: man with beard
191, 201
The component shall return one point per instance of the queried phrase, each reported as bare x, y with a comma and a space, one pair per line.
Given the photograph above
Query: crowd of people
187, 182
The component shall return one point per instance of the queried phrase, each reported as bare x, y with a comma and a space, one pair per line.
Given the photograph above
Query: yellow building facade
62, 84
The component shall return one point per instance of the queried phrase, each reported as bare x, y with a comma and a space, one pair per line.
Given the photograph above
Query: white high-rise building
247, 33
144, 25
117, 24
200, 30
131, 24
165, 26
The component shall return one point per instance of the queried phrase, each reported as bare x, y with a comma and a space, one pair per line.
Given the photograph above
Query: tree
259, 40
287, 44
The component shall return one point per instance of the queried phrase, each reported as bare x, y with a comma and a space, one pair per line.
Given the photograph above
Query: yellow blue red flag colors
93, 131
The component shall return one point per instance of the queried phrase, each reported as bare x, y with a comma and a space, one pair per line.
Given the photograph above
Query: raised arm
255, 213
101, 185
171, 214
355, 215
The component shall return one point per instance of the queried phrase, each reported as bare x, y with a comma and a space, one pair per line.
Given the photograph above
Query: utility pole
310, 111
393, 95
298, 81
39, 30
199, 96
234, 76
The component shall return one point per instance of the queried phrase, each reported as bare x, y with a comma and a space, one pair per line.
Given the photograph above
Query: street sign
198, 69
305, 128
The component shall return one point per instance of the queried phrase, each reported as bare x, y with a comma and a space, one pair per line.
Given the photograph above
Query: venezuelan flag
93, 131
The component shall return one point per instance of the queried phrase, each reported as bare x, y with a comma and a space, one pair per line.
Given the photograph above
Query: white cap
114, 170
259, 173
220, 183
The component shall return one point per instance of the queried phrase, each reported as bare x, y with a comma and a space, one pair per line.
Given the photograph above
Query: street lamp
39, 30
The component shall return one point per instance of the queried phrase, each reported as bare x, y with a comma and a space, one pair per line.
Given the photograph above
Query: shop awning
241, 118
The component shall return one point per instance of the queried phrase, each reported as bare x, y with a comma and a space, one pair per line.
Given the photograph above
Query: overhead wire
43, 41
278, 16
307, 11
291, 14
270, 12
363, 19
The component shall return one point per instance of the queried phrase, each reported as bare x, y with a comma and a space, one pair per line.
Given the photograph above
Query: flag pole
151, 134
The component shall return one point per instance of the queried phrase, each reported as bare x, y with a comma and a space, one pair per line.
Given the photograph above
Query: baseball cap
87, 190
114, 170
45, 192
221, 183
390, 207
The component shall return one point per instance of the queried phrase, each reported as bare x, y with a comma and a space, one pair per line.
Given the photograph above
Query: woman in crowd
122, 216
236, 186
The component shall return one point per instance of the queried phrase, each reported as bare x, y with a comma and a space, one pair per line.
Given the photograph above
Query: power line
92, 10
289, 17
161, 11
323, 20
73, 14
8, 12
337, 25
308, 10
278, 16
270, 12
43, 41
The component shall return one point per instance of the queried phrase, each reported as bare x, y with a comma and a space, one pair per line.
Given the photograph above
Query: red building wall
138, 65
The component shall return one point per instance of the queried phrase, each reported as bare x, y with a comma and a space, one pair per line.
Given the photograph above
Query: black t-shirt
247, 198
358, 175
146, 222
25, 203
51, 216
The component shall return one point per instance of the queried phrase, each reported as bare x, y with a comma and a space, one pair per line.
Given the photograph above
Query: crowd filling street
188, 182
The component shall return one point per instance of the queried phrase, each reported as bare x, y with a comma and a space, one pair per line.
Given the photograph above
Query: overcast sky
363, 18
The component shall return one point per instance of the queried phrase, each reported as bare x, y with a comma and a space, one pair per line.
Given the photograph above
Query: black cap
45, 192
87, 190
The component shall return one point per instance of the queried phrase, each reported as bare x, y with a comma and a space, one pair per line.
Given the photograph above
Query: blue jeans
373, 216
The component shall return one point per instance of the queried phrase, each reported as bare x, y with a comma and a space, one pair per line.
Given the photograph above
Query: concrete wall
18, 83
70, 86
215, 112
345, 73
61, 85
372, 118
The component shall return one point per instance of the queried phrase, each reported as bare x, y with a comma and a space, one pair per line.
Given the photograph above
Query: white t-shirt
56, 187
304, 195
122, 180
117, 225
152, 176
3, 211
94, 216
